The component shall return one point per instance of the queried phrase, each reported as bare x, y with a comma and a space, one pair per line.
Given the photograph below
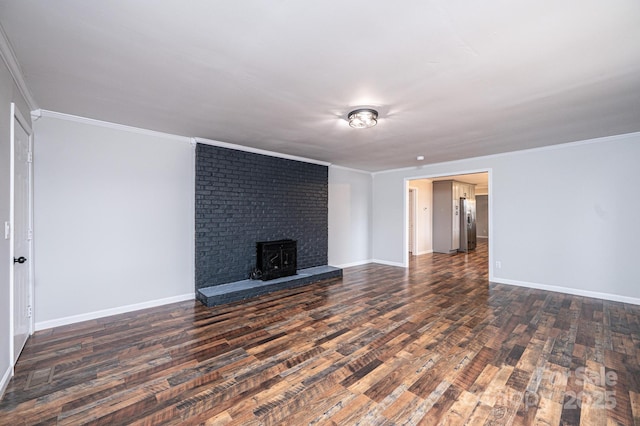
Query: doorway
21, 233
423, 229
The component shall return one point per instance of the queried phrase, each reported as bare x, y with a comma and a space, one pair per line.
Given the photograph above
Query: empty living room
328, 213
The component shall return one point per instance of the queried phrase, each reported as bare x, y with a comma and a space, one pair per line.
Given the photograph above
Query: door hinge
30, 235
29, 311
30, 157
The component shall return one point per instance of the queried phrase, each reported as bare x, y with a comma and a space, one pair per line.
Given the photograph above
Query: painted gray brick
242, 198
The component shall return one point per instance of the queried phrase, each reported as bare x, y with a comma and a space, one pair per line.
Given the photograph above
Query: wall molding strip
9, 57
259, 151
568, 290
43, 325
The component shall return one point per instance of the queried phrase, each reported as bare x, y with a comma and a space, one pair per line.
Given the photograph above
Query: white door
22, 234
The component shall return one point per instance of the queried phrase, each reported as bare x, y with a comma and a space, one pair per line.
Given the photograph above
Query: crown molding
36, 114
553, 147
350, 169
9, 57
259, 151
68, 117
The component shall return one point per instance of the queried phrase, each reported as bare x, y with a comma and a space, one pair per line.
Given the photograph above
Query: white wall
388, 245
482, 216
349, 217
8, 93
114, 219
562, 217
424, 202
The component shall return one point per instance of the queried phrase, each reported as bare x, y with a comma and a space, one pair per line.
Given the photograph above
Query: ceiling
450, 79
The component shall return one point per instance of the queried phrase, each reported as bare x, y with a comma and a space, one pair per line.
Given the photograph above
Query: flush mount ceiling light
362, 118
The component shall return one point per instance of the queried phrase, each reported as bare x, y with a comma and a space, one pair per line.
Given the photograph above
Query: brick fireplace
243, 198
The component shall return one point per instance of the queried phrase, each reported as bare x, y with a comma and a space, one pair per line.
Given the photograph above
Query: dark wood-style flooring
435, 344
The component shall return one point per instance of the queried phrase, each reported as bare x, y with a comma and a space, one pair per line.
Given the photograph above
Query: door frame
412, 210
17, 116
407, 183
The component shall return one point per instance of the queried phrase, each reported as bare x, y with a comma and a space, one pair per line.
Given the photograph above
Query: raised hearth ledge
245, 289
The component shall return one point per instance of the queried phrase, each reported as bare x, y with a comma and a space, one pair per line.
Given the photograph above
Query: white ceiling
451, 79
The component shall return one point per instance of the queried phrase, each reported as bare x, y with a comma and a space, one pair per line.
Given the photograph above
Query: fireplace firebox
276, 259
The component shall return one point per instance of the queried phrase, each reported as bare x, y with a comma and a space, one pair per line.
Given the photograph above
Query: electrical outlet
498, 264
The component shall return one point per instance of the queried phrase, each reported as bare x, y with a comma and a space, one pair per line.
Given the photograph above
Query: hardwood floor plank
479, 415
404, 410
434, 344
353, 412
634, 398
460, 411
548, 412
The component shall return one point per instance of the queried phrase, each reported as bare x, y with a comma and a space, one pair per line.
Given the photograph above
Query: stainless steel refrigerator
467, 225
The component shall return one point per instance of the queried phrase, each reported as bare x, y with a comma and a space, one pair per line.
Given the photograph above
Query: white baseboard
382, 262
568, 290
368, 261
43, 325
386, 262
349, 265
424, 252
5, 380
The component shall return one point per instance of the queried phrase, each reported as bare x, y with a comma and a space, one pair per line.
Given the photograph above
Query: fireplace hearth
276, 259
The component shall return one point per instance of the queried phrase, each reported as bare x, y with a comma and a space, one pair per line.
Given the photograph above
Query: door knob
21, 259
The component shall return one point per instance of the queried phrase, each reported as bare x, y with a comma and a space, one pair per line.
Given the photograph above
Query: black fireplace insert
276, 259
